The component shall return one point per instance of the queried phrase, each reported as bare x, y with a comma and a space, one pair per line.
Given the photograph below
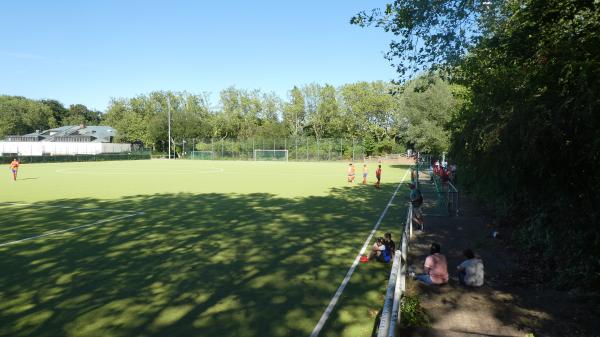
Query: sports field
190, 248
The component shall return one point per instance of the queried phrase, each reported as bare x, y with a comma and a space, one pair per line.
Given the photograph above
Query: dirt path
498, 308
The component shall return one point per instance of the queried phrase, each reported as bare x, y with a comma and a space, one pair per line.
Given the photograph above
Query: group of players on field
14, 166
352, 174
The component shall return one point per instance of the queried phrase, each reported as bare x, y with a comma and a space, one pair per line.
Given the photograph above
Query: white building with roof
65, 140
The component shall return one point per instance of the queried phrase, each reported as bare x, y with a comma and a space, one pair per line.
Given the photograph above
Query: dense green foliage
19, 115
382, 117
412, 313
533, 126
527, 134
371, 112
430, 34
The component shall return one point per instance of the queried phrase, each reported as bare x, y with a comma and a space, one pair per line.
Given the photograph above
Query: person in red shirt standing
14, 166
378, 176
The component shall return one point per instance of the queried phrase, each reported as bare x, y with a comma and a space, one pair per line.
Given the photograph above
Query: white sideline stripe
67, 207
67, 230
342, 286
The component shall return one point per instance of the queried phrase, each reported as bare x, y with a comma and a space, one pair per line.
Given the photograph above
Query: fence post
306, 148
222, 148
409, 222
457, 202
318, 149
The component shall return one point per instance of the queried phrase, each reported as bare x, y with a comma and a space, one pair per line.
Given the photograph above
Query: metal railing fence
391, 312
447, 194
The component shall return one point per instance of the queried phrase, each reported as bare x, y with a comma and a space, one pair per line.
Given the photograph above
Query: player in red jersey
14, 166
378, 176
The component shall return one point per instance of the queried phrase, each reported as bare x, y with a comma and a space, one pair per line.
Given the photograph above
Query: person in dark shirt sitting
390, 245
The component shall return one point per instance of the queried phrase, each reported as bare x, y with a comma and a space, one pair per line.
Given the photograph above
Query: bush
412, 314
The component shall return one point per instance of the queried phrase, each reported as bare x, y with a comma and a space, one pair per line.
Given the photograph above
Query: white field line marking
68, 207
67, 230
342, 286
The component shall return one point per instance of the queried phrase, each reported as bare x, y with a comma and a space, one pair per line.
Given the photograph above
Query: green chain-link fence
298, 148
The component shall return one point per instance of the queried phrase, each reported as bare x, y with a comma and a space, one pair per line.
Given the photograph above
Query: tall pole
169, 122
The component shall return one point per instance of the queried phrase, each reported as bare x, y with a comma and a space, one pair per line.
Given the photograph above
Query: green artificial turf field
190, 248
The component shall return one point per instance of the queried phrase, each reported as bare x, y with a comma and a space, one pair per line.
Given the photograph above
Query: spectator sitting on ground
435, 267
470, 271
378, 249
390, 245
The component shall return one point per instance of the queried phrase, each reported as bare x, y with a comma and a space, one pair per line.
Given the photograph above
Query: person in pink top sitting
435, 268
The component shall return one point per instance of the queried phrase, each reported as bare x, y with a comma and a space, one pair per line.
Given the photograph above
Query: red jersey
378, 172
14, 165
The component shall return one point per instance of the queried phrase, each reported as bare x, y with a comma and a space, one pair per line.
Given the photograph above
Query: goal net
203, 155
281, 155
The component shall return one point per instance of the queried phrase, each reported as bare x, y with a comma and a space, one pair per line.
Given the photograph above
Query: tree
427, 104
294, 112
328, 113
312, 96
270, 123
528, 109
78, 114
432, 34
322, 110
59, 112
19, 115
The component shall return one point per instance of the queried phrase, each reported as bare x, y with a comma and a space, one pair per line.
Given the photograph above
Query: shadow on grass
191, 265
401, 166
498, 307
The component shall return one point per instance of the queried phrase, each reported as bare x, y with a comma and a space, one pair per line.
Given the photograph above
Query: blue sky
89, 51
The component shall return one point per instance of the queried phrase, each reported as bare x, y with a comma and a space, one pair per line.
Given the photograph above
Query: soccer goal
202, 155
281, 155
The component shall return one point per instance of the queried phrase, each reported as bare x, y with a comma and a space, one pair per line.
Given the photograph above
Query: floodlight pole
169, 122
